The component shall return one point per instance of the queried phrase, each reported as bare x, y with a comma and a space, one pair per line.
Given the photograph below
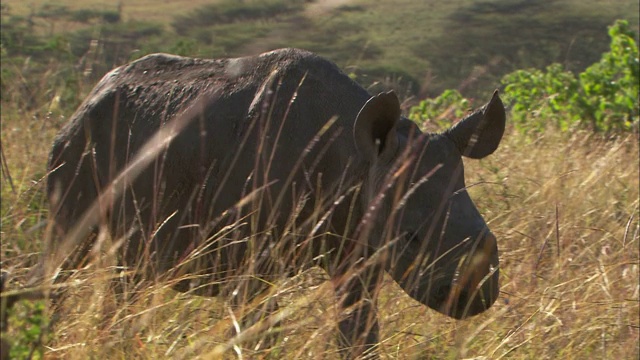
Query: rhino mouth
453, 304
448, 304
466, 290
459, 287
460, 301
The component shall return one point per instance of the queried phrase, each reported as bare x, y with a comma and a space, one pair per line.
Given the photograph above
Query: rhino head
438, 247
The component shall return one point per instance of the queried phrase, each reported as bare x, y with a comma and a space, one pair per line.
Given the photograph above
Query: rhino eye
412, 236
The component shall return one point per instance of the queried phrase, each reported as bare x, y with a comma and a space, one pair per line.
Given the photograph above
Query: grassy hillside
564, 206
157, 11
422, 47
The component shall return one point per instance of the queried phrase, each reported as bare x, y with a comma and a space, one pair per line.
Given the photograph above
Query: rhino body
284, 163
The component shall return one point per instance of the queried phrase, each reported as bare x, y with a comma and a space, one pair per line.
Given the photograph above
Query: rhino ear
479, 134
375, 131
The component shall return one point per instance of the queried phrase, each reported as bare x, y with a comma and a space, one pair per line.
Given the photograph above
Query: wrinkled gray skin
347, 191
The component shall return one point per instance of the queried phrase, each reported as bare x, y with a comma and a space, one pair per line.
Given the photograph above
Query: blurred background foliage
602, 98
547, 55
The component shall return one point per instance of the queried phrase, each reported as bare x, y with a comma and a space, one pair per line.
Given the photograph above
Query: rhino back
262, 125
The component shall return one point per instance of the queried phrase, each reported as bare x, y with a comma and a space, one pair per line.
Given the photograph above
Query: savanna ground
563, 205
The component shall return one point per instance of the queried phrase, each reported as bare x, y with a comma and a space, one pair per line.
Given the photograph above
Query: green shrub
609, 88
539, 98
441, 111
604, 97
31, 322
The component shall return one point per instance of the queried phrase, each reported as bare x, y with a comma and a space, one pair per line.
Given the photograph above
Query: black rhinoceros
282, 162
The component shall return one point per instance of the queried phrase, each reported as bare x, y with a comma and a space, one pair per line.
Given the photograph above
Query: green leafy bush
540, 98
440, 111
604, 97
31, 321
609, 88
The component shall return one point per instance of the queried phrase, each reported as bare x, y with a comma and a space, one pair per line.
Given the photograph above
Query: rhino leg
359, 328
267, 340
247, 293
245, 300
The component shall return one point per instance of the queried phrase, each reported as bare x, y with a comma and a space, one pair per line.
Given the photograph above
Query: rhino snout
474, 287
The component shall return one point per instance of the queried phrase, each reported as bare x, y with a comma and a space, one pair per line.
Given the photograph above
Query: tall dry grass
563, 206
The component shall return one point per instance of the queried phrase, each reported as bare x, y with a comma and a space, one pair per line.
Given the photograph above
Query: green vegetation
561, 198
32, 321
604, 97
229, 11
421, 48
441, 111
